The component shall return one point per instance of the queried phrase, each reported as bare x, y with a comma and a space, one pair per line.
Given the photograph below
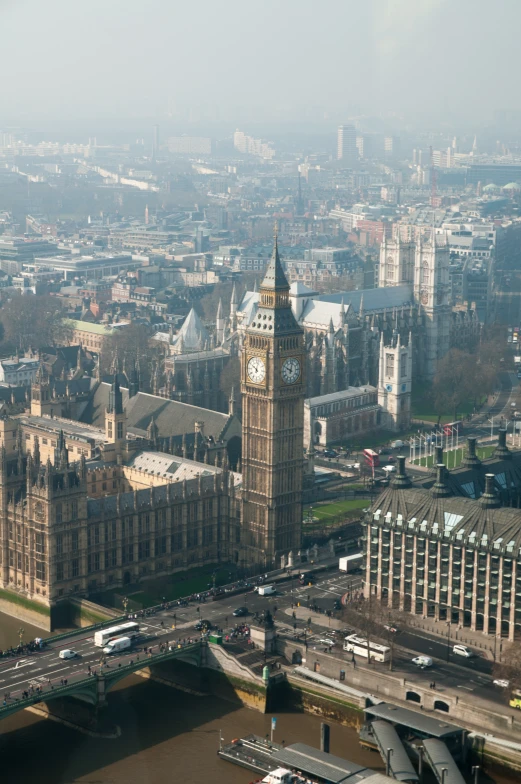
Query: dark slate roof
453, 518
469, 481
318, 764
172, 417
401, 766
374, 299
275, 277
94, 411
428, 725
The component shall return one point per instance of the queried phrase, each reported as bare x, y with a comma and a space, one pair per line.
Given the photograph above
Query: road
472, 675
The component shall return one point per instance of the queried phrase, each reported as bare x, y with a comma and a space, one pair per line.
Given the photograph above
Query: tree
455, 381
34, 321
509, 668
131, 344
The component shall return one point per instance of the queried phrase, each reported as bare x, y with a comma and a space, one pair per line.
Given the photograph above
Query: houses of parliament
89, 504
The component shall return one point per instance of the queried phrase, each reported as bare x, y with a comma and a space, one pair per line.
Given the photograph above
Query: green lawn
337, 509
178, 585
455, 457
422, 406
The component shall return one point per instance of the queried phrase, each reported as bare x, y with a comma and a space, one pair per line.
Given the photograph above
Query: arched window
426, 273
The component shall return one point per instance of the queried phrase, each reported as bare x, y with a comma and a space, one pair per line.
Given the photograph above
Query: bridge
42, 676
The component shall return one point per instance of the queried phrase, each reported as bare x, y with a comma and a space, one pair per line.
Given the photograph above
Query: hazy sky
241, 60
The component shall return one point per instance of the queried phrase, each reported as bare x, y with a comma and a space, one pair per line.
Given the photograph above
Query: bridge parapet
93, 688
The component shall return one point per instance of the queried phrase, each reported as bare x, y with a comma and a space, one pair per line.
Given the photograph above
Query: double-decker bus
358, 645
453, 427
103, 636
371, 458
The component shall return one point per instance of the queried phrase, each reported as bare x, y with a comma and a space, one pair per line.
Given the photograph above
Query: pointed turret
219, 323
231, 402
361, 313
233, 309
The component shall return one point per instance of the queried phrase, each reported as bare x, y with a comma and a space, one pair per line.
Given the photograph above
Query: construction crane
434, 190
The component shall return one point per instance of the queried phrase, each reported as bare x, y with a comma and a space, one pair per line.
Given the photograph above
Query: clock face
256, 370
291, 370
388, 388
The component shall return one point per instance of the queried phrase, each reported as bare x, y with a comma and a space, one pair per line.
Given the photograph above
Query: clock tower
273, 387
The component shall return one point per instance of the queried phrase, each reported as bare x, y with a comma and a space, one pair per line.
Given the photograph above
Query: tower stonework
431, 291
394, 383
273, 388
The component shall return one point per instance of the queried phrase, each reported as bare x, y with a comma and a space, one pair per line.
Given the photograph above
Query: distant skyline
238, 61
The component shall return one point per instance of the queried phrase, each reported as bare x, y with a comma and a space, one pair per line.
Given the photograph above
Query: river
166, 736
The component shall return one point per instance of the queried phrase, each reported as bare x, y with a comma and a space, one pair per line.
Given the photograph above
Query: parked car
389, 627
330, 453
240, 611
503, 684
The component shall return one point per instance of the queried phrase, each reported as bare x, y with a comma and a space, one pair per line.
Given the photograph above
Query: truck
348, 563
118, 645
267, 590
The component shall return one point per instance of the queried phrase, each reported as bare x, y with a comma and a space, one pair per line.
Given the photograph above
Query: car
384, 451
330, 453
337, 604
462, 650
391, 459
324, 641
203, 625
389, 469
502, 683
422, 661
68, 654
240, 611
390, 628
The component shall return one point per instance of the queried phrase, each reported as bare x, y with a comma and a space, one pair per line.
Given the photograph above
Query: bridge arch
441, 706
413, 696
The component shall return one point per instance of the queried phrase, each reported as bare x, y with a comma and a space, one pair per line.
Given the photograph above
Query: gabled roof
193, 332
374, 299
299, 289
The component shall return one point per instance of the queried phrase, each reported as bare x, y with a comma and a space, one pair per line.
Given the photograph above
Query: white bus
358, 645
103, 636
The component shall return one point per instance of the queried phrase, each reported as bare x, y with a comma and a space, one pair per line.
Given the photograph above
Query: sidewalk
485, 644
428, 625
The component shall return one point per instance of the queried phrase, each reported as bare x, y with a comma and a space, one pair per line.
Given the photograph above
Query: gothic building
450, 547
343, 331
194, 360
105, 502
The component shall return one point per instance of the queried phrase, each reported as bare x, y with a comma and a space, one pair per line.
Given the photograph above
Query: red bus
371, 458
453, 427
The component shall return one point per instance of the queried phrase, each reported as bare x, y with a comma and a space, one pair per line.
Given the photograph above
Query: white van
120, 644
462, 650
422, 661
397, 444
267, 590
68, 654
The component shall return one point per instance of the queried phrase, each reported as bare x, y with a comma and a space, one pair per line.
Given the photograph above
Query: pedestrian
433, 685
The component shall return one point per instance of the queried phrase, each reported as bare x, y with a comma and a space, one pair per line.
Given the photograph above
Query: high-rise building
273, 383
347, 150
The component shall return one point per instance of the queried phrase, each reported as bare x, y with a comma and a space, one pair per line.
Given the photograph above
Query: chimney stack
489, 499
471, 459
502, 451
